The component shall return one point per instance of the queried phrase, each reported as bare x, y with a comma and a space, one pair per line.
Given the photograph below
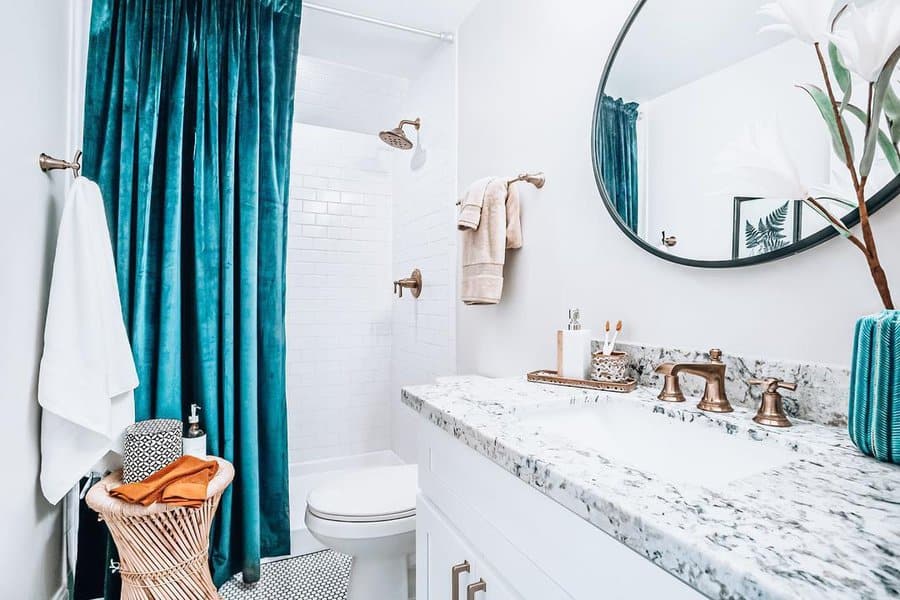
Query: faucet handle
715, 355
771, 410
773, 384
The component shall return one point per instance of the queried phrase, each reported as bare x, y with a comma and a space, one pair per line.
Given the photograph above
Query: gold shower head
396, 138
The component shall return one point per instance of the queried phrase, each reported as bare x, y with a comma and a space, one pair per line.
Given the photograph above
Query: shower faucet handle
412, 283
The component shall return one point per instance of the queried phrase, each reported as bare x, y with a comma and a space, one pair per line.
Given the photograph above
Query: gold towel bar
536, 179
48, 163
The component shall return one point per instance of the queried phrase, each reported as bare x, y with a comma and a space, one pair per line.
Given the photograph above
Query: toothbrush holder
613, 367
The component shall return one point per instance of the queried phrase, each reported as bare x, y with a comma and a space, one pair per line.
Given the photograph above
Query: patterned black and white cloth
319, 576
150, 446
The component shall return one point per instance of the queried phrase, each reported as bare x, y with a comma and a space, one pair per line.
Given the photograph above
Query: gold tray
552, 378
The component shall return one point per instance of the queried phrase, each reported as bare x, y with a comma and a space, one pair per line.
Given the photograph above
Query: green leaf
841, 201
841, 229
882, 85
775, 220
823, 102
887, 147
768, 235
752, 235
892, 111
841, 74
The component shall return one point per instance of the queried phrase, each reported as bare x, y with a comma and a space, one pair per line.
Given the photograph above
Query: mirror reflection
696, 98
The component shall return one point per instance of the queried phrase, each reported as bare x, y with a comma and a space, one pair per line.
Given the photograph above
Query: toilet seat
373, 495
370, 515
355, 530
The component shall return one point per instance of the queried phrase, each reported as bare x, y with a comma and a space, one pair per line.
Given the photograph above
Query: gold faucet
714, 398
771, 411
412, 283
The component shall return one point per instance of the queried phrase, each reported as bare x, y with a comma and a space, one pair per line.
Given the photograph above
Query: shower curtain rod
438, 35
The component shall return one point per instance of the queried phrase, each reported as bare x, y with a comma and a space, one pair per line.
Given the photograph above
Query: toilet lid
367, 495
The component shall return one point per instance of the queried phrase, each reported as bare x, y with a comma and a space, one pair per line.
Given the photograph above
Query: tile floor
318, 576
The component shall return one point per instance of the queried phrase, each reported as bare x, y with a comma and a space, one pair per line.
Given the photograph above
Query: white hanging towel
87, 372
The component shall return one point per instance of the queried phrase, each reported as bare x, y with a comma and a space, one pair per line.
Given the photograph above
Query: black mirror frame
851, 219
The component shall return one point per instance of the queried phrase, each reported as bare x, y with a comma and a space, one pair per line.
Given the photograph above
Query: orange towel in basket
182, 482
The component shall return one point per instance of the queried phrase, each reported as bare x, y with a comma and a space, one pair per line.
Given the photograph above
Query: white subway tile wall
354, 229
425, 237
341, 97
338, 294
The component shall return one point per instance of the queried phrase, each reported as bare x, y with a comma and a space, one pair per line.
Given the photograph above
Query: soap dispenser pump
194, 441
573, 349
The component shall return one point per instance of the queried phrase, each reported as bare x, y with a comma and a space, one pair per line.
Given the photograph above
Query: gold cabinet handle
455, 572
478, 586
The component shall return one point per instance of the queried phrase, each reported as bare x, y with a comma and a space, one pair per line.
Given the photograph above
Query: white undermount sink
628, 433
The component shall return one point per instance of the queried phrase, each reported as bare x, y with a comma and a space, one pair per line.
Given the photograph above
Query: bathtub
306, 475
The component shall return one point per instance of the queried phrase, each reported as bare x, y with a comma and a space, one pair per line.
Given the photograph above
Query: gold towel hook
48, 163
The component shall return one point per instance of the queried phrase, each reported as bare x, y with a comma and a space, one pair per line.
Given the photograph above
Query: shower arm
417, 123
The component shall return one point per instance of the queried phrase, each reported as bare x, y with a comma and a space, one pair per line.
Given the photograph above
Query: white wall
424, 237
692, 126
338, 294
335, 95
33, 42
528, 74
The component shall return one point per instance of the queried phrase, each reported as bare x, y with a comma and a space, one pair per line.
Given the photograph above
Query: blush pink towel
490, 222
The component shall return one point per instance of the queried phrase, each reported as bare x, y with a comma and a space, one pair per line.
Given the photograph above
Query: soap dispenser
194, 441
573, 349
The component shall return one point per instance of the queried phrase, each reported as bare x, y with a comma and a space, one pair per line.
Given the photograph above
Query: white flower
867, 36
807, 20
758, 164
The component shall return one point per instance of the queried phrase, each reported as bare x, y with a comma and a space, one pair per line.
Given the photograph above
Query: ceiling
376, 48
668, 46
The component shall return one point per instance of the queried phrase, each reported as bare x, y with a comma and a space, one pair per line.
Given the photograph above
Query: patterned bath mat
319, 576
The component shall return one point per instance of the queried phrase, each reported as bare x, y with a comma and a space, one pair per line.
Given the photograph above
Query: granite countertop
826, 525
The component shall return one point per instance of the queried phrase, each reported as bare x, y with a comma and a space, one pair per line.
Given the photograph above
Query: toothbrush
612, 344
606, 339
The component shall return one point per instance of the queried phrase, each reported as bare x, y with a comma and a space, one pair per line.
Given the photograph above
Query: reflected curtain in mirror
618, 153
188, 115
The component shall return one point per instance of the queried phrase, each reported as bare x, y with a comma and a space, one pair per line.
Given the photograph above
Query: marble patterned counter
821, 395
826, 525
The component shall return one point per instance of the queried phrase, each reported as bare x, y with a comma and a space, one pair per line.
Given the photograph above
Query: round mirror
699, 119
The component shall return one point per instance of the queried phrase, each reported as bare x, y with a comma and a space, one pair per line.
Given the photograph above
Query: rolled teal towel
874, 415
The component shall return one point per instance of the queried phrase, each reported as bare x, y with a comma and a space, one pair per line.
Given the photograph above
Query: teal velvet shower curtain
188, 114
618, 154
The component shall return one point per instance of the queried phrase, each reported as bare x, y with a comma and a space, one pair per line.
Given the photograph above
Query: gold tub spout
714, 397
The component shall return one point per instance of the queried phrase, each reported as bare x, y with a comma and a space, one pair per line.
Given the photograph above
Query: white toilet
369, 514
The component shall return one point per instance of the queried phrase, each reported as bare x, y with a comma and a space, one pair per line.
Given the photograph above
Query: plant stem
868, 248
839, 225
845, 141
878, 274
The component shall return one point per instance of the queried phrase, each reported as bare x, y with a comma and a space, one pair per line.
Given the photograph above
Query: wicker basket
163, 550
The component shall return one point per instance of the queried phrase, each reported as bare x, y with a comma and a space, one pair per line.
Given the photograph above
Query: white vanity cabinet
447, 567
522, 544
